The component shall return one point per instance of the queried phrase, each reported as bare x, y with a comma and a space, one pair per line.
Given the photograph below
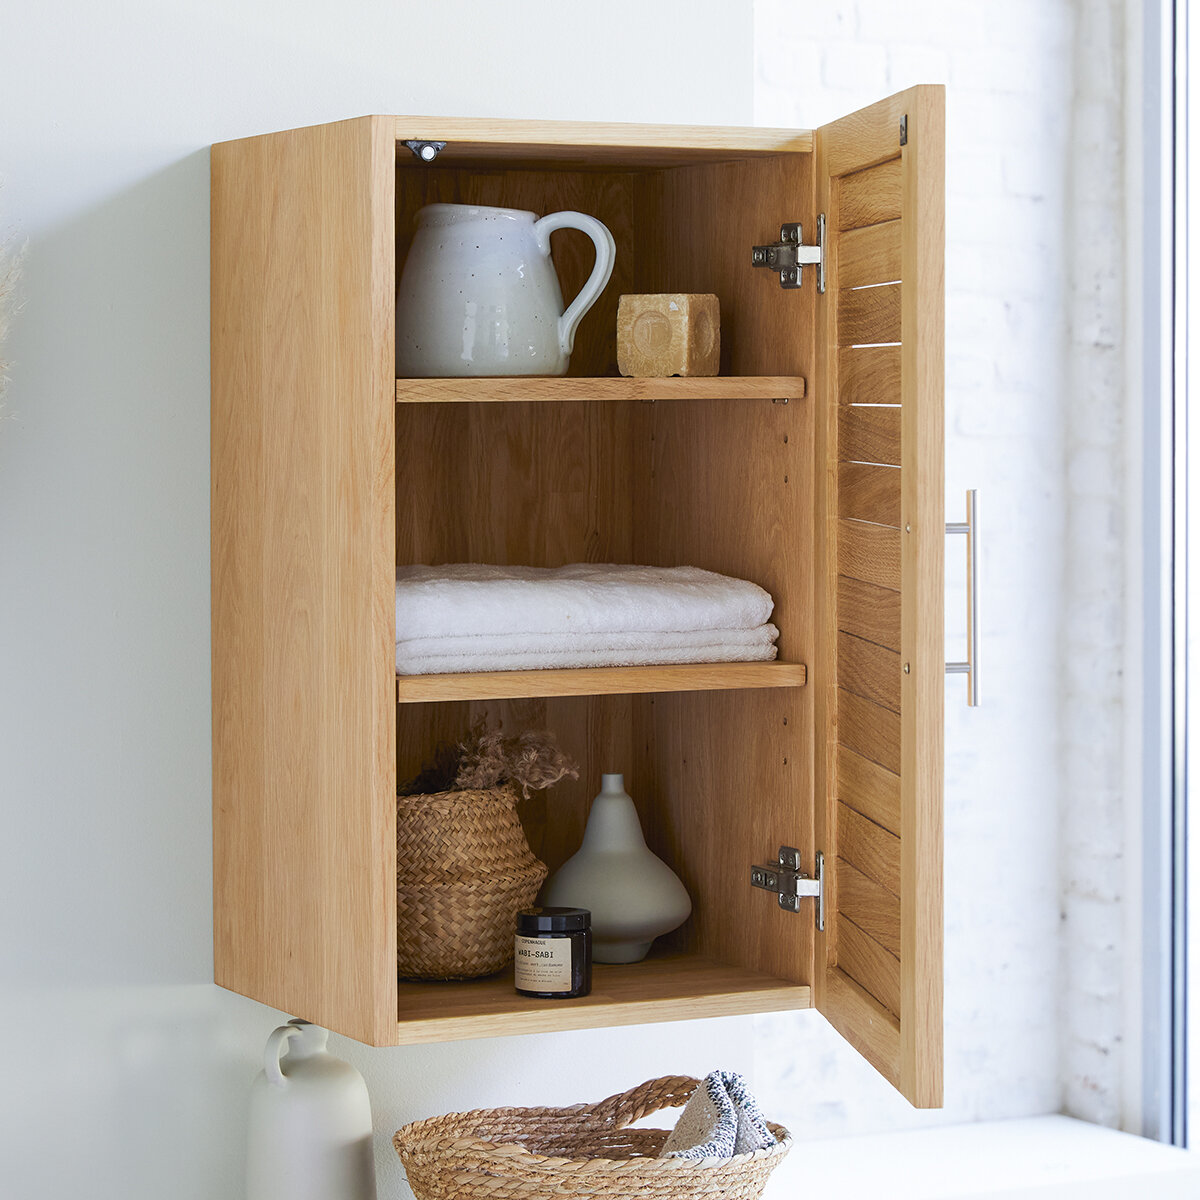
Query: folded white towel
556, 643
720, 1120
473, 598
413, 657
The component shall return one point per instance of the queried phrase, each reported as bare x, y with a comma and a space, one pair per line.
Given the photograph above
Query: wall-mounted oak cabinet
812, 466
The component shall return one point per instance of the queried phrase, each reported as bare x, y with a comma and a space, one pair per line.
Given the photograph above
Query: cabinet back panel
731, 779
535, 484
694, 230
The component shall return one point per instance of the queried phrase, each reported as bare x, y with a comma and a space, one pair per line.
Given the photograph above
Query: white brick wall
1034, 394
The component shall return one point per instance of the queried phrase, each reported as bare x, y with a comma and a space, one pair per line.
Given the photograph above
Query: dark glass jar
553, 958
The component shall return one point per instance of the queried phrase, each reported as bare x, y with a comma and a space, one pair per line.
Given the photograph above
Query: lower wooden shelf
668, 988
598, 681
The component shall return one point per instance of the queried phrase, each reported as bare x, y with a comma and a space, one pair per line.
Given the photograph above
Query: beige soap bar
675, 333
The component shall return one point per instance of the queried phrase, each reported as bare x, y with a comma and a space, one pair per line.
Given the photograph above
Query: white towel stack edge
481, 617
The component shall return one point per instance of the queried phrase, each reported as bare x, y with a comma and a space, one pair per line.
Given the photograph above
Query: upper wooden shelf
499, 389
599, 681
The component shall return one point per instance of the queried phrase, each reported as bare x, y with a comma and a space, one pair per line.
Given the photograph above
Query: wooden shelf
599, 681
670, 988
496, 389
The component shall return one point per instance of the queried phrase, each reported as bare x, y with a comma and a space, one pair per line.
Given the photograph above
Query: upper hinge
425, 151
789, 255
791, 884
904, 130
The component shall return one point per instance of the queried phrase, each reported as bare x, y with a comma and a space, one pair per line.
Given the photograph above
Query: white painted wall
126, 1070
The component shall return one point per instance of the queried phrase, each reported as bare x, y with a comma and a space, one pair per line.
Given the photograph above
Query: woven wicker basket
464, 869
582, 1151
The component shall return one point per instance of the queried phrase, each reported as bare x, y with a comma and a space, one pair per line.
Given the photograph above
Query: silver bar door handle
970, 668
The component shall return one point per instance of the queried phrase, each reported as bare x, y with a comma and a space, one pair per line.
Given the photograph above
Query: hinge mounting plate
789, 255
791, 884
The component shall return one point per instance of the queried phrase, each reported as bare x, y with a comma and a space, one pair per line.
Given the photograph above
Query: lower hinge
791, 884
789, 256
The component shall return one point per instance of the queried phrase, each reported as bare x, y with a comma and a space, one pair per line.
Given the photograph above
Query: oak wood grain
303, 574
869, 256
869, 847
869, 670
598, 681
869, 552
493, 390
866, 962
870, 905
569, 143
864, 1022
922, 575
869, 434
868, 316
869, 197
664, 988
867, 492
869, 611
869, 375
869, 789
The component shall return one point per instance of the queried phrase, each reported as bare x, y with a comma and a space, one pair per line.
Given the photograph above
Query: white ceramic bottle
632, 894
310, 1123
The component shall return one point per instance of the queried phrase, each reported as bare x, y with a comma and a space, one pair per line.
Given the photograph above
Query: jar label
543, 964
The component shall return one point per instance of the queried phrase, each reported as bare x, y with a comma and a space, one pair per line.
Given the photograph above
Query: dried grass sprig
530, 760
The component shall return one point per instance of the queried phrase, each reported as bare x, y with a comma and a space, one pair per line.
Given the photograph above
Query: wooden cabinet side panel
880, 546
303, 573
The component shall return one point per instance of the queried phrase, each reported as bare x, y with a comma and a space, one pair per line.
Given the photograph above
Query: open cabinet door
881, 529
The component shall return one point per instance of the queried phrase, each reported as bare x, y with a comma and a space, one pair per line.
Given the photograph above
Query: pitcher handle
597, 281
276, 1048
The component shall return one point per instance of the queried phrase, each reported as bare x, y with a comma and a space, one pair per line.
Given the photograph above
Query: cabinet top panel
473, 141
585, 144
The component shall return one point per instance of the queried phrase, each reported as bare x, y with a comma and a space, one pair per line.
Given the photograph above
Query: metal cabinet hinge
791, 884
789, 255
425, 151
904, 130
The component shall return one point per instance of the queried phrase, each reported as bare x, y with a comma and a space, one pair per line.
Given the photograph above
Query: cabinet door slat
870, 197
869, 316
869, 789
869, 847
869, 611
869, 375
869, 434
870, 671
869, 256
869, 493
874, 909
869, 964
870, 730
869, 552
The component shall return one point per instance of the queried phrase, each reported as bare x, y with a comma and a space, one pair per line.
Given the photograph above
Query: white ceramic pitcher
479, 295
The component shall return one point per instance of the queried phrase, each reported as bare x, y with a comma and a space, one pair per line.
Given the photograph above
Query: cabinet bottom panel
670, 988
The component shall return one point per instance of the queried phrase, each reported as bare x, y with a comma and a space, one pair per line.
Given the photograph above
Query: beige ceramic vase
632, 894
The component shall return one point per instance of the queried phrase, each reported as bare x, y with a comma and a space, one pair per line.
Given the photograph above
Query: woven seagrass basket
463, 870
583, 1151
